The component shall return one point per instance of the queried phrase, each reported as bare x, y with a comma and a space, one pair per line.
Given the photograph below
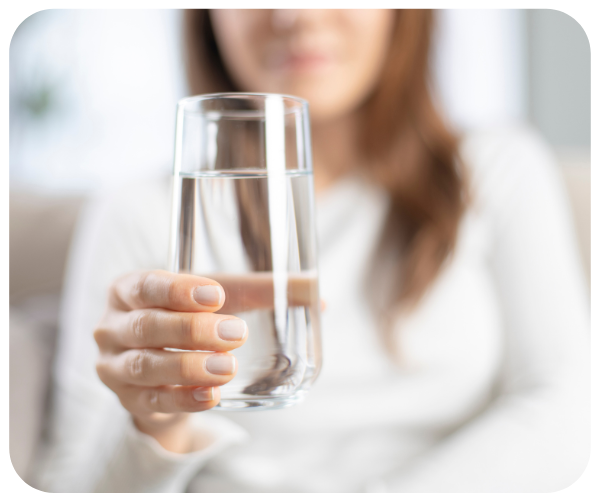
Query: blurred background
93, 92
92, 105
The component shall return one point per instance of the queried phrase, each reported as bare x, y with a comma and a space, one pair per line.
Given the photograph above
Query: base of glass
257, 403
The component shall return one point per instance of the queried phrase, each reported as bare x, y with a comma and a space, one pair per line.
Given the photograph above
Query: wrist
171, 431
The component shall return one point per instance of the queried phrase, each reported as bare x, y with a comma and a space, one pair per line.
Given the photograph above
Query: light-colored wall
559, 83
85, 115
558, 102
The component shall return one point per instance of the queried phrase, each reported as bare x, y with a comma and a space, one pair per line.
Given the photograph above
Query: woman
455, 337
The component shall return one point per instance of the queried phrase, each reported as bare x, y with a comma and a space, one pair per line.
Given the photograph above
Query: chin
326, 110
323, 105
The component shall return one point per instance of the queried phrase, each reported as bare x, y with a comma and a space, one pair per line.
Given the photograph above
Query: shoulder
514, 148
127, 222
503, 161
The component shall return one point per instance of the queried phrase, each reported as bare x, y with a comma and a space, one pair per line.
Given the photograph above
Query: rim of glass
186, 101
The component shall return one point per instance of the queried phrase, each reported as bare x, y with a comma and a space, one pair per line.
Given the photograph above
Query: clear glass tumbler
243, 215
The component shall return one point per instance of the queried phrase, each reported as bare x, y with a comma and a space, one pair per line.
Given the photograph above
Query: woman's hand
149, 312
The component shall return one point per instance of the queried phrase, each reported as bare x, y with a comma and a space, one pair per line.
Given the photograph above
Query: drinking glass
243, 215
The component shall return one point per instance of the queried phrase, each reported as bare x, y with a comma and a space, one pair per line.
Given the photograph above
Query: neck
335, 151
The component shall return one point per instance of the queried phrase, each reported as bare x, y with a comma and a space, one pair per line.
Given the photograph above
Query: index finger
252, 291
163, 289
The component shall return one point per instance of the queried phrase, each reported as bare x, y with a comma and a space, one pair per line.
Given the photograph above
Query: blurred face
332, 58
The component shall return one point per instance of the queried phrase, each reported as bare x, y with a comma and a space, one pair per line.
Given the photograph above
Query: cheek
369, 37
235, 34
333, 96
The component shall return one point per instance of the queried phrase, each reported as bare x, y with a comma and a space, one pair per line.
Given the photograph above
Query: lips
300, 62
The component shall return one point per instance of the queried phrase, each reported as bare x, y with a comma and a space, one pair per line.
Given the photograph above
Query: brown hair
408, 149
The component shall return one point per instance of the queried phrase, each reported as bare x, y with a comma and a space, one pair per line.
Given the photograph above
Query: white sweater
493, 394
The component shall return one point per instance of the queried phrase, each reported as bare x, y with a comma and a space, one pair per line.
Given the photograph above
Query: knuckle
113, 293
153, 400
115, 296
102, 370
139, 291
100, 335
137, 365
139, 326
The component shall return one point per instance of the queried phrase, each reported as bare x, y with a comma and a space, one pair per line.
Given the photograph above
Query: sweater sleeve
534, 436
141, 464
92, 444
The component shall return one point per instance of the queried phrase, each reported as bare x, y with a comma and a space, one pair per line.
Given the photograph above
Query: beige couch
40, 232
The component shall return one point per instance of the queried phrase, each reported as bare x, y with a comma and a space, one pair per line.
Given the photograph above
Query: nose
284, 19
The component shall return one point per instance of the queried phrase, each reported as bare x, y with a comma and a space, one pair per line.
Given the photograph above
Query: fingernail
231, 330
208, 295
203, 394
220, 364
